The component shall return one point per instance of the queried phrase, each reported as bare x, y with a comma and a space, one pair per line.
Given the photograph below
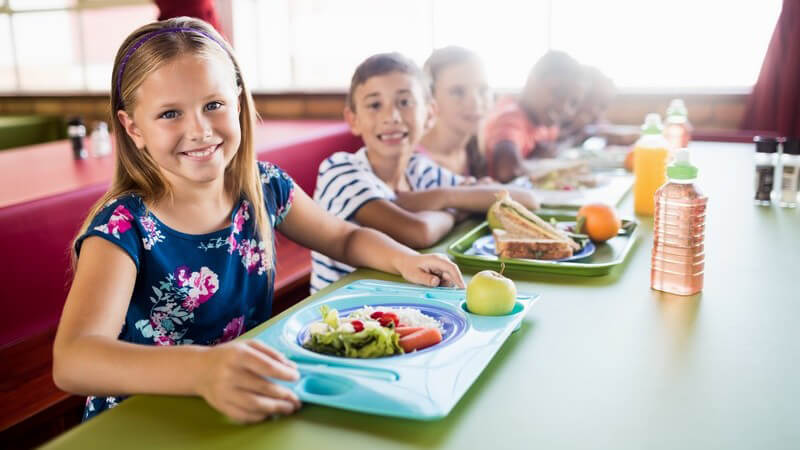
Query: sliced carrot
420, 339
403, 331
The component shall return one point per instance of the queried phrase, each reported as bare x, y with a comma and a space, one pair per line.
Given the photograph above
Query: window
314, 45
64, 45
681, 44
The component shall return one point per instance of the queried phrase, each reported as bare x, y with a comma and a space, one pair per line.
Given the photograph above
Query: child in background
599, 94
385, 185
177, 258
520, 129
462, 99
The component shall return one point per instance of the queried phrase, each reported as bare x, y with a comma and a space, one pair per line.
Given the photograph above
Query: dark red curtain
774, 104
200, 9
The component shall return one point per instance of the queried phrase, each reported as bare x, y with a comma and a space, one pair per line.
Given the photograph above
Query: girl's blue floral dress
193, 289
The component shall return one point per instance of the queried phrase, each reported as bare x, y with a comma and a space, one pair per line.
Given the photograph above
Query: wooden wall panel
705, 111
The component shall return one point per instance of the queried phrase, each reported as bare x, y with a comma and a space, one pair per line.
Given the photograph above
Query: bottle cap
677, 108
681, 168
767, 144
652, 124
791, 146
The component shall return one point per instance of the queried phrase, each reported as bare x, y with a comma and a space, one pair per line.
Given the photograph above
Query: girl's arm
89, 359
310, 225
475, 198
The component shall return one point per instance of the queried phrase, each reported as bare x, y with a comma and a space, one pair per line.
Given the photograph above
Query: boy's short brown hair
382, 64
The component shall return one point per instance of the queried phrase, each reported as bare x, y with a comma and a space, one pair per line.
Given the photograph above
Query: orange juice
650, 156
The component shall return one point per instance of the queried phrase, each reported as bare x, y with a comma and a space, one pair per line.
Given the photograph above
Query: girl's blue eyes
173, 114
216, 105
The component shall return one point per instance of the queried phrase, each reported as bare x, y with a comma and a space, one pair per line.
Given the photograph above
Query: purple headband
146, 38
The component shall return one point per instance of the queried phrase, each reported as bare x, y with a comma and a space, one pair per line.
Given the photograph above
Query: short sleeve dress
193, 289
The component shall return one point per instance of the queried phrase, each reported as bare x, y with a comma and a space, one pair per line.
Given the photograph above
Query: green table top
599, 362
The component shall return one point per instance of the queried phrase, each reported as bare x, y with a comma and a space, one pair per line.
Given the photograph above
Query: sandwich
515, 246
519, 233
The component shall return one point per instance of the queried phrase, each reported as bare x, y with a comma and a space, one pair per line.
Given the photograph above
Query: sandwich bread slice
519, 222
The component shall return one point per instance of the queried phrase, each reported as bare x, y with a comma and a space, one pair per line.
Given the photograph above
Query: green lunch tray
607, 255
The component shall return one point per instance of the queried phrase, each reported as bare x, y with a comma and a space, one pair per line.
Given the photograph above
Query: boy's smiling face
391, 114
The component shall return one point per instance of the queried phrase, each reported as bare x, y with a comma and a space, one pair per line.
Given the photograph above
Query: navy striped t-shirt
346, 182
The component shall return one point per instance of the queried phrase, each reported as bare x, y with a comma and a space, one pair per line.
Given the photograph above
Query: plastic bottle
678, 259
101, 140
677, 129
649, 164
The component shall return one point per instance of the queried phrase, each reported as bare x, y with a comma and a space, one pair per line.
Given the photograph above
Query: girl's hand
430, 270
233, 381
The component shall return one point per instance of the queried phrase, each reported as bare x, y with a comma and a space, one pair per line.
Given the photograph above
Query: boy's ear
352, 120
131, 129
432, 111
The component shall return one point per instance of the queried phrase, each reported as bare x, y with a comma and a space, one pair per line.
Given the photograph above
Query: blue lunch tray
422, 385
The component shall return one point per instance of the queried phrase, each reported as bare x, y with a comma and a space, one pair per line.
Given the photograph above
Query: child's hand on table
430, 270
234, 381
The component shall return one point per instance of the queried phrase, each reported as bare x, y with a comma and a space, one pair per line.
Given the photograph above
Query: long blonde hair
136, 172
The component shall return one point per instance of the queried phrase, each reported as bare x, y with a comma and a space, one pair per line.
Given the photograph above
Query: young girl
462, 98
385, 185
177, 258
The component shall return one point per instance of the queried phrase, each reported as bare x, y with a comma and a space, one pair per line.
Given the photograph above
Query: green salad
352, 338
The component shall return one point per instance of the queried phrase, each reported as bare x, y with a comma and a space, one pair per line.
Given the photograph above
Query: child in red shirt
528, 127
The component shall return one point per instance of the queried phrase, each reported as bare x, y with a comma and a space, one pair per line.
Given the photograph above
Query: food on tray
561, 174
600, 222
490, 294
422, 338
522, 232
515, 246
372, 332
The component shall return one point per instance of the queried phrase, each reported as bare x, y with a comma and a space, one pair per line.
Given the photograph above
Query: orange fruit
629, 161
599, 221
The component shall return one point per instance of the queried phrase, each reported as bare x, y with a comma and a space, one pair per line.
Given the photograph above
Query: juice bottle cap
652, 124
681, 168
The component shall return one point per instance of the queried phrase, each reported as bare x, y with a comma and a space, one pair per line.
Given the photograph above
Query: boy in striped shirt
385, 185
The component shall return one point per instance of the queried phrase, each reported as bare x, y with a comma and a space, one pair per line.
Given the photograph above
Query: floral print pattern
232, 330
118, 223
174, 303
153, 235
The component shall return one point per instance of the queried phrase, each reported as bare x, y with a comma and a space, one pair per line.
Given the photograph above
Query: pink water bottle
678, 260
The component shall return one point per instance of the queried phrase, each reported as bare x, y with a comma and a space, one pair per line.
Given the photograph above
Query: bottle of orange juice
649, 164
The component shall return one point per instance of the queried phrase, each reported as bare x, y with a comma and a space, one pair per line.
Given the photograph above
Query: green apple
490, 294
494, 222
